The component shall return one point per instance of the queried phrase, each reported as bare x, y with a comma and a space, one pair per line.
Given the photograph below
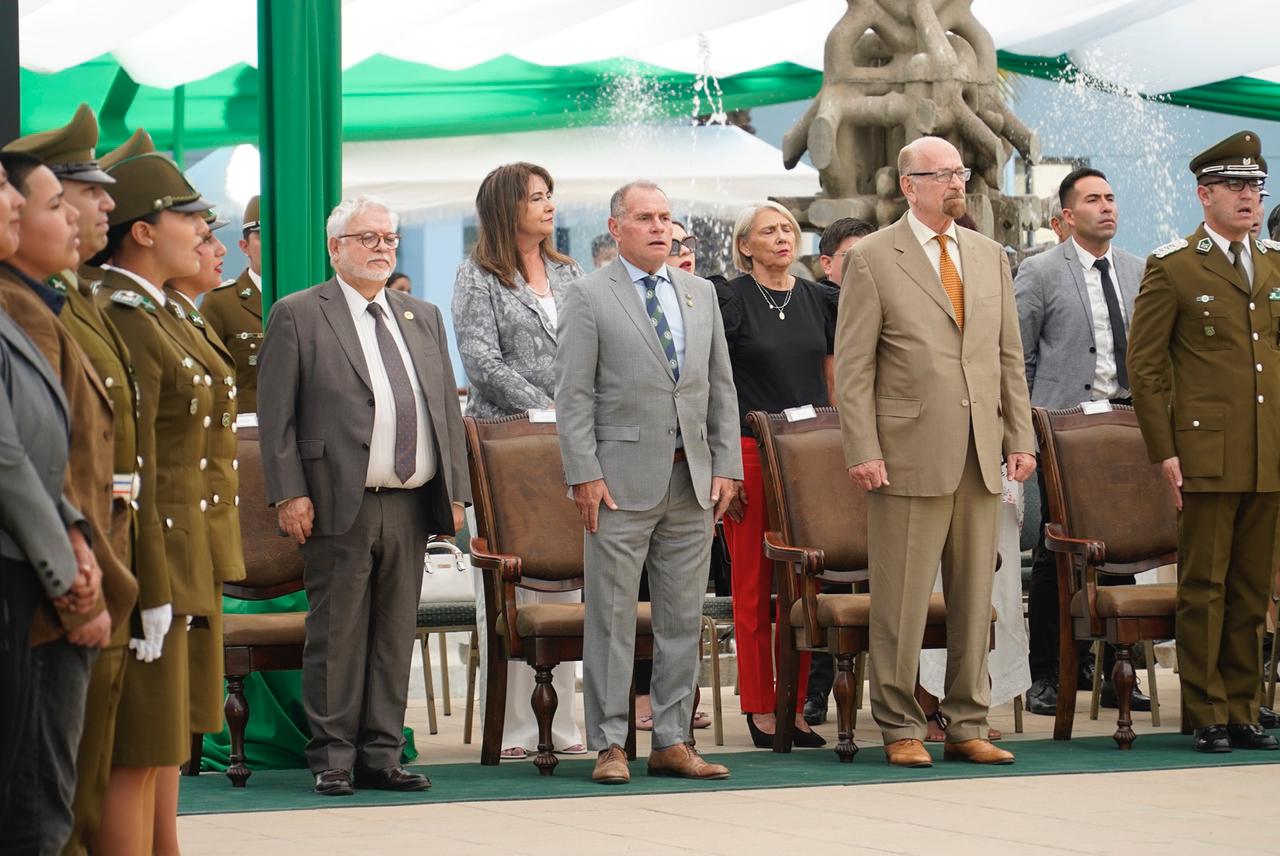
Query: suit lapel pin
246, 292
1204, 246
408, 316
1204, 298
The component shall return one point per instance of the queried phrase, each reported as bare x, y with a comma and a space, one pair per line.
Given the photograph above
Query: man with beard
930, 385
363, 452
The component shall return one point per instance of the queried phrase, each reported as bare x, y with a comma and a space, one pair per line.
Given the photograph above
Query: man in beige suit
932, 395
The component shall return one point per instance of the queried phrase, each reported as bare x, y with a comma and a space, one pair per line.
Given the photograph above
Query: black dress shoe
395, 778
1251, 737
1042, 698
334, 783
799, 739
1213, 739
1137, 701
815, 710
1268, 718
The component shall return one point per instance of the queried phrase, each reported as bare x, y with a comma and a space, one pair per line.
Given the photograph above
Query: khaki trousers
908, 536
1227, 549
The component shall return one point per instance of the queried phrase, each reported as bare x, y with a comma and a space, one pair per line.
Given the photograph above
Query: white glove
155, 624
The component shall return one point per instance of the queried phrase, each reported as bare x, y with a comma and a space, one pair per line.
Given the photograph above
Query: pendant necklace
782, 316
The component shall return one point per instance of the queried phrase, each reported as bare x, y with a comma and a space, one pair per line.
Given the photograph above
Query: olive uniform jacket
911, 385
89, 480
175, 410
107, 352
234, 311
1204, 364
220, 466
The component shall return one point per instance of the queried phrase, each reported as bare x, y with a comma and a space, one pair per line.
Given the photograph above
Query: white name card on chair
1094, 407
799, 414
536, 416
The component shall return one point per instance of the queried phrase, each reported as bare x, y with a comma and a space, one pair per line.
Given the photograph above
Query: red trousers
752, 588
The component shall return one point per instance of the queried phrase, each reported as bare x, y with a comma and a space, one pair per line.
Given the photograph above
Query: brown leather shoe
334, 783
683, 761
908, 752
976, 751
395, 778
611, 767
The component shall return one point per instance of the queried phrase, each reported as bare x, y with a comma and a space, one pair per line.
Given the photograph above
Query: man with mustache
1074, 305
932, 395
1204, 356
363, 452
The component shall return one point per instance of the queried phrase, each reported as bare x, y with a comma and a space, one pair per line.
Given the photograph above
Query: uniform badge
187, 362
195, 406
196, 319
1204, 298
133, 300
1262, 248
176, 310
253, 359
56, 284
1171, 247
1208, 330
1274, 295
246, 292
1270, 244
408, 316
1204, 246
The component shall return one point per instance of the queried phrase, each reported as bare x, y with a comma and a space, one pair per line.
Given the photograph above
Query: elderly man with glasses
363, 452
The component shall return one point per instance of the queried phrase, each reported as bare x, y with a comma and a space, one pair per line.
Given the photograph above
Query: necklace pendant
782, 316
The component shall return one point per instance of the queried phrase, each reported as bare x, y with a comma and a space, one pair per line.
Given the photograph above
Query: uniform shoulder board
133, 300
176, 310
1265, 244
225, 283
1171, 247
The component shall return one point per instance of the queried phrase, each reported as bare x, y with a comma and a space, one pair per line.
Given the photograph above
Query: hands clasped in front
589, 495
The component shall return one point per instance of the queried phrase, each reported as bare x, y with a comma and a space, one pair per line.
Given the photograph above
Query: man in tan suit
932, 394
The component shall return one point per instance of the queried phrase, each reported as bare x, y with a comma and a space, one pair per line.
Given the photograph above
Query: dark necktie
1118, 339
402, 390
1237, 255
660, 326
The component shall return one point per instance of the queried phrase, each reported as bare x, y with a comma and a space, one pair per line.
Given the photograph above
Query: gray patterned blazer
506, 340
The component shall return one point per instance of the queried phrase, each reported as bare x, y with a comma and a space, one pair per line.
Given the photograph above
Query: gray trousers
674, 540
43, 781
363, 588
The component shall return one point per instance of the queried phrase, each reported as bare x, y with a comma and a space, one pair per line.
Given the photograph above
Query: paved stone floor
1224, 810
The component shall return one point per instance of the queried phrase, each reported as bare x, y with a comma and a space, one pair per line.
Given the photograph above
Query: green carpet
280, 790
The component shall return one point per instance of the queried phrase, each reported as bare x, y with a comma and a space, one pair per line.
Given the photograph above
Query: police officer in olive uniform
1204, 361
222, 484
156, 220
69, 152
234, 311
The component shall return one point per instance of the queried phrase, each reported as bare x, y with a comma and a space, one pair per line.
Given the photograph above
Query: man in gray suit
43, 554
1074, 305
363, 451
648, 424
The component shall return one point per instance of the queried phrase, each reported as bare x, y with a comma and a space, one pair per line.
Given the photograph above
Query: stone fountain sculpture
896, 70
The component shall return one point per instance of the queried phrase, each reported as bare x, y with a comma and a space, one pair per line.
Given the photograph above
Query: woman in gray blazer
506, 301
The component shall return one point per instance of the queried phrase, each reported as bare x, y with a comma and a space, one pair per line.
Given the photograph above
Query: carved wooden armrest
1093, 552
505, 570
810, 560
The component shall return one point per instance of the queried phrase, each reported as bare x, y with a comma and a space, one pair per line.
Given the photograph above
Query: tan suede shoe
976, 751
683, 760
611, 767
907, 753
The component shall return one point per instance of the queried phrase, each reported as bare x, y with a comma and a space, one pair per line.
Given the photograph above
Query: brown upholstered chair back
1101, 485
272, 563
521, 501
811, 500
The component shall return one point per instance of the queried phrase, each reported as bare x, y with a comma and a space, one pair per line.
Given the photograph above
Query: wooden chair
273, 567
818, 533
1110, 512
529, 536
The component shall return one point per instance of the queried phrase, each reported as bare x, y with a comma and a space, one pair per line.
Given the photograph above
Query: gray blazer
618, 404
1056, 320
34, 437
506, 341
315, 406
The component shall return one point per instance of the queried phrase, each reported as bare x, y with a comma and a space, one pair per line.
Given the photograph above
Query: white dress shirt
1225, 246
382, 445
548, 304
154, 293
1105, 382
932, 248
667, 299
255, 279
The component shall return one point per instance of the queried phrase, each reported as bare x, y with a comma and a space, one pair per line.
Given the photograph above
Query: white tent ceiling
1151, 45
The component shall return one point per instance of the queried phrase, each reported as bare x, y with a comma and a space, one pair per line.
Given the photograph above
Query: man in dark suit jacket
1074, 305
364, 452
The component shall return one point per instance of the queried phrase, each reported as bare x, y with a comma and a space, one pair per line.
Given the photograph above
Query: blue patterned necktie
660, 327
406, 451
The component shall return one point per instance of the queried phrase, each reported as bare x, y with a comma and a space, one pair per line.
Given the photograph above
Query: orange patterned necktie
952, 284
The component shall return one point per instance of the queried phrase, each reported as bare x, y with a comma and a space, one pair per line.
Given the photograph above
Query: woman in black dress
781, 332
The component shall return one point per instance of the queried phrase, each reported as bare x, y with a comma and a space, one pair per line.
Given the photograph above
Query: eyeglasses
1235, 185
370, 240
944, 176
679, 245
